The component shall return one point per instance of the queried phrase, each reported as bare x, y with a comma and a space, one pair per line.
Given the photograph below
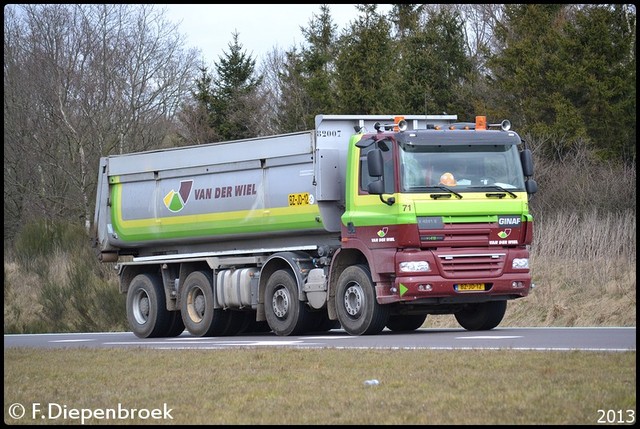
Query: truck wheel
251, 326
481, 317
320, 322
176, 325
235, 322
147, 314
196, 306
358, 311
403, 323
285, 313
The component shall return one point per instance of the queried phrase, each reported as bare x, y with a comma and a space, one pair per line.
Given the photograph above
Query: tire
358, 311
285, 313
235, 322
199, 316
176, 325
320, 322
251, 326
147, 313
481, 317
404, 323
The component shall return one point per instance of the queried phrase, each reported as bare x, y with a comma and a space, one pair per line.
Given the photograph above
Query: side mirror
376, 187
375, 167
531, 186
527, 162
375, 163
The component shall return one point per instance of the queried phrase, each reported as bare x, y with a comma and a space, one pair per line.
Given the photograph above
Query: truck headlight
520, 263
414, 266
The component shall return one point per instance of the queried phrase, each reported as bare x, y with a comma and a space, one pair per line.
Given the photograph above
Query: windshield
469, 167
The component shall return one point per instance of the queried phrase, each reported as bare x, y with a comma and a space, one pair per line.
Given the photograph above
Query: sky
260, 27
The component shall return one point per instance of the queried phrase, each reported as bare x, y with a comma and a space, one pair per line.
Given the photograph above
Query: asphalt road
562, 339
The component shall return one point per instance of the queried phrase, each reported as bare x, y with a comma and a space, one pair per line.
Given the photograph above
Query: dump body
216, 196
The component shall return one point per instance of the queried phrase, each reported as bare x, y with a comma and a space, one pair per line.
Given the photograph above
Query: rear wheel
320, 322
198, 312
251, 326
235, 323
176, 325
483, 316
285, 313
358, 311
147, 313
400, 323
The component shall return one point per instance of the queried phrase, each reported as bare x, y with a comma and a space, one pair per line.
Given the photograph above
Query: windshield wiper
499, 188
444, 188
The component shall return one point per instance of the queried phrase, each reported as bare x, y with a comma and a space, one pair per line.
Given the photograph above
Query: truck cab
439, 217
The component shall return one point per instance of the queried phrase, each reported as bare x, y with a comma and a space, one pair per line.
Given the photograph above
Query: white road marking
490, 337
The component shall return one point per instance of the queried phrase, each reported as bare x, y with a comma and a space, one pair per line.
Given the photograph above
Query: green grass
288, 386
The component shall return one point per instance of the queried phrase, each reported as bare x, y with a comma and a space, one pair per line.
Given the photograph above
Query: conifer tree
230, 99
433, 65
307, 80
235, 93
570, 71
365, 65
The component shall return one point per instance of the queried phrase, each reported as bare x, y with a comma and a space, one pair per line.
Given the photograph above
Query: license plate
299, 199
470, 286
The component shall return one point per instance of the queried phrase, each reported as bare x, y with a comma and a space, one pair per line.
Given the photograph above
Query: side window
365, 179
389, 176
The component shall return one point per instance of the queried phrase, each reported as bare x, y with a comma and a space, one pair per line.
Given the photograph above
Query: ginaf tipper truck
365, 223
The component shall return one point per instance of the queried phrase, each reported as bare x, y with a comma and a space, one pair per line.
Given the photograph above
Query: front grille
468, 265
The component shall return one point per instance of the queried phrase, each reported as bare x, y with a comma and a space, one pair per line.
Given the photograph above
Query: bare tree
83, 81
271, 89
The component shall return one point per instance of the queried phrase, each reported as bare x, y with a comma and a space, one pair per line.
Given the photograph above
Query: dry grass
22, 308
288, 386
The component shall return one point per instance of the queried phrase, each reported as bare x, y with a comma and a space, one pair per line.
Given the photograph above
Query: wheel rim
196, 304
280, 302
353, 300
141, 306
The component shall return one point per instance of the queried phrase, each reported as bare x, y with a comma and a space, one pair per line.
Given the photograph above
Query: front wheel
358, 311
403, 323
481, 317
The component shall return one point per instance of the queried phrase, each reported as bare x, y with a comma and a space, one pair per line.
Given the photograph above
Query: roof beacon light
481, 123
